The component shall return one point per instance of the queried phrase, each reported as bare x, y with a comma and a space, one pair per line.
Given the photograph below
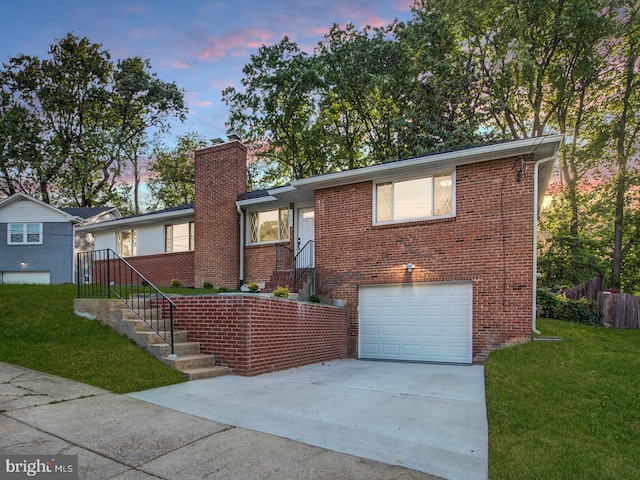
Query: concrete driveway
430, 418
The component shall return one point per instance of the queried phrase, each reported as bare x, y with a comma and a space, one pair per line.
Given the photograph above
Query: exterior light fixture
409, 267
23, 264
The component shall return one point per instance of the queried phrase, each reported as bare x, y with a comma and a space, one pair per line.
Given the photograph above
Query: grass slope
566, 410
41, 332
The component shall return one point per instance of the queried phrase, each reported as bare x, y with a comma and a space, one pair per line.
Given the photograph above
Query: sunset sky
200, 45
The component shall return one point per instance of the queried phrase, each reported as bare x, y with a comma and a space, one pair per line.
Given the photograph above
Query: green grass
566, 410
557, 410
40, 331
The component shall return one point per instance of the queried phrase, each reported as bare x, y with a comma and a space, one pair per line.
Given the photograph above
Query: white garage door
26, 277
429, 322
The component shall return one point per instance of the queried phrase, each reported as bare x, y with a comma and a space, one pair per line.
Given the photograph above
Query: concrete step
180, 349
136, 325
188, 362
151, 337
206, 372
153, 313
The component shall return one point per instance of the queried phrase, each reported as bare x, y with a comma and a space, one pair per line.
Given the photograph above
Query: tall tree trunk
622, 159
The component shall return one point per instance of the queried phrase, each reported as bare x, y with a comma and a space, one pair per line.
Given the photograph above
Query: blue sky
200, 45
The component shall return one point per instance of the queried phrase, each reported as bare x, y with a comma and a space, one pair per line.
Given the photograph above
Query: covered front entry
426, 322
305, 251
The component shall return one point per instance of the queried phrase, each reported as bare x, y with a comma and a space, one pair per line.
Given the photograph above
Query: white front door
306, 232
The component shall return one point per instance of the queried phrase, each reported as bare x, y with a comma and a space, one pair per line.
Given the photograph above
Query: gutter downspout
535, 243
241, 279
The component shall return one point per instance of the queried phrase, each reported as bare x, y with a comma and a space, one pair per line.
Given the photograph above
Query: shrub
224, 289
562, 308
315, 298
176, 283
281, 292
253, 287
207, 285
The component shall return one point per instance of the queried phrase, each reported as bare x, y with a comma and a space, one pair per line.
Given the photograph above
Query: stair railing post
171, 308
108, 275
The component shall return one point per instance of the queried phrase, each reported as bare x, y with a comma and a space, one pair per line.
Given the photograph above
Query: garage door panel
391, 349
420, 322
391, 330
461, 331
32, 277
370, 348
435, 331
370, 330
413, 331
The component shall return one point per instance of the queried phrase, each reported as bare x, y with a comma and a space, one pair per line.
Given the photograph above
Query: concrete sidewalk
120, 437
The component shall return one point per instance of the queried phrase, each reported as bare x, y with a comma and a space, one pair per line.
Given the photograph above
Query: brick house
434, 257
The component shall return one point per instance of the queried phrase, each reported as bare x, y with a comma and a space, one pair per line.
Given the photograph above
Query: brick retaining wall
252, 334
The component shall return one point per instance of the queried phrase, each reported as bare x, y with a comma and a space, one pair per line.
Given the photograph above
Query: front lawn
40, 331
566, 410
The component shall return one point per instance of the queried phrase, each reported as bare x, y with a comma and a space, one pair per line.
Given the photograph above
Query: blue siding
55, 255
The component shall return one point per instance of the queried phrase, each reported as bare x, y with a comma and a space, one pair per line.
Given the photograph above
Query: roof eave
135, 221
541, 147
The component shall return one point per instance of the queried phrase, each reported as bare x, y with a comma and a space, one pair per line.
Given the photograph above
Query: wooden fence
588, 289
619, 310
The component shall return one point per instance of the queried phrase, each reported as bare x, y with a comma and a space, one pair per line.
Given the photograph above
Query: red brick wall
252, 334
260, 260
489, 242
220, 176
159, 269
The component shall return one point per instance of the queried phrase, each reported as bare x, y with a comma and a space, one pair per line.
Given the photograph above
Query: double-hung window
126, 242
179, 237
24, 234
414, 199
269, 226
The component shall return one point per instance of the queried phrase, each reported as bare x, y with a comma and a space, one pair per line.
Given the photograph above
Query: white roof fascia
139, 220
453, 158
255, 201
20, 195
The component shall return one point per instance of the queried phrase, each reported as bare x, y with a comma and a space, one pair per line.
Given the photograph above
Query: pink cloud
403, 5
134, 9
142, 33
231, 43
179, 65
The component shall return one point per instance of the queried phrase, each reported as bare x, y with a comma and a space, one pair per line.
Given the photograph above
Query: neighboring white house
162, 231
38, 241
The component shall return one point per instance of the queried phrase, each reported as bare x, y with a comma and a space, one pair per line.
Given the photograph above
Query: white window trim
270, 242
191, 239
24, 233
134, 240
374, 209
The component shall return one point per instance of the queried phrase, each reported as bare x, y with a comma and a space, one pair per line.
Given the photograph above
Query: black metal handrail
304, 260
104, 274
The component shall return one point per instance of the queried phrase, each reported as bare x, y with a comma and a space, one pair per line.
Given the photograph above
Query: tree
625, 126
171, 179
85, 116
276, 110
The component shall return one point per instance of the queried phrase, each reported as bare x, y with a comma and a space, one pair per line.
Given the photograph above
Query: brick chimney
220, 176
